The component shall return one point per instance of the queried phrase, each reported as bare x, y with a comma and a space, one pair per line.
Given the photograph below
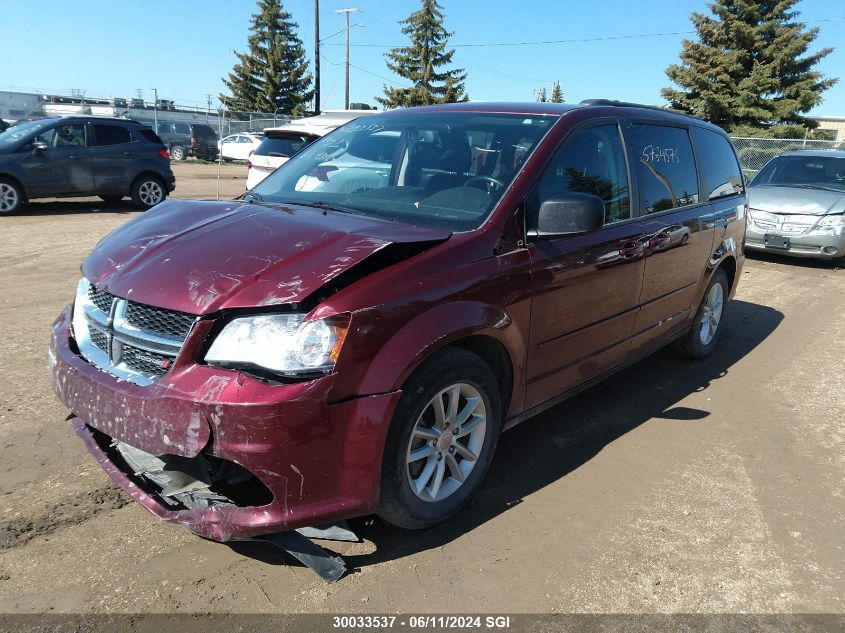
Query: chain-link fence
756, 152
255, 123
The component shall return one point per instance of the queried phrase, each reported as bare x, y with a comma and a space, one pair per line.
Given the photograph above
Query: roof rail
629, 104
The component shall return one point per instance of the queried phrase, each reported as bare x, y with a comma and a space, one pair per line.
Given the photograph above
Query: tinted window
181, 128
590, 161
67, 135
111, 134
719, 168
19, 131
149, 135
281, 146
165, 128
203, 131
665, 167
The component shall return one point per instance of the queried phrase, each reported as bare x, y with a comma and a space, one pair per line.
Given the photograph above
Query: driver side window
592, 161
66, 135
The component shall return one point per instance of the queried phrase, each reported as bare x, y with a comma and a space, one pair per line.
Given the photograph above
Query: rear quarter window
148, 135
203, 131
720, 171
665, 166
111, 134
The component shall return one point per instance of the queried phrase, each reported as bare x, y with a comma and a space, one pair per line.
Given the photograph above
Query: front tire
147, 191
707, 324
441, 440
11, 196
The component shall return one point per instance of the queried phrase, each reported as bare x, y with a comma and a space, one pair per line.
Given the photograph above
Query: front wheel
441, 440
148, 191
707, 325
11, 197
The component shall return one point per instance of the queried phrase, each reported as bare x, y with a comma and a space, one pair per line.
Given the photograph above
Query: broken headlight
283, 343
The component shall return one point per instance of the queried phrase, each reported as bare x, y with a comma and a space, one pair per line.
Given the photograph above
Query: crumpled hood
203, 256
798, 200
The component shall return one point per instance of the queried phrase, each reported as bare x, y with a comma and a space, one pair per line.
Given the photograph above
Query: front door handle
74, 156
129, 154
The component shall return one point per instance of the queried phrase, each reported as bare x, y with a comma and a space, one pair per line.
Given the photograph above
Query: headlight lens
831, 221
283, 343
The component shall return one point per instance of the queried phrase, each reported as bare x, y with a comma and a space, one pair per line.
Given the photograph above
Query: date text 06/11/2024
421, 621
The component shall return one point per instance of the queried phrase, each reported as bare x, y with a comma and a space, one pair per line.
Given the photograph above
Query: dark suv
83, 156
353, 334
188, 139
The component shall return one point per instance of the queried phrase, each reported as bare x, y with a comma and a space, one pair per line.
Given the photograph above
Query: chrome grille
130, 340
157, 320
101, 298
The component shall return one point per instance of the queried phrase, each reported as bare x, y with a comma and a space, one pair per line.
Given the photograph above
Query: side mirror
38, 147
569, 214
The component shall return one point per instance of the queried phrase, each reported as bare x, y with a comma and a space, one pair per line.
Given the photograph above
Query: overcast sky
183, 47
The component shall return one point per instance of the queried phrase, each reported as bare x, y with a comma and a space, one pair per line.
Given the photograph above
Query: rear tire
435, 458
177, 152
11, 196
707, 324
147, 191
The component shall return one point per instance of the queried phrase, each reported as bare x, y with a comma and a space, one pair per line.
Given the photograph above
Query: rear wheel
441, 440
148, 191
707, 325
11, 196
177, 152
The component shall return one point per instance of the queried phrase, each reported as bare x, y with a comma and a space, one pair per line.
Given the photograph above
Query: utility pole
155, 108
208, 107
316, 57
347, 12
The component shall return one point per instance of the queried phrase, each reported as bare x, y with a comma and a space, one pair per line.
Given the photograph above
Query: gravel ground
677, 486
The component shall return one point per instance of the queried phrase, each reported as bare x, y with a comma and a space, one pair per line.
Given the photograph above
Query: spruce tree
542, 96
273, 75
557, 93
420, 62
749, 67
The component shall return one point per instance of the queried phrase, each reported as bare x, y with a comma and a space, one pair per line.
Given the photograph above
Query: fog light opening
830, 250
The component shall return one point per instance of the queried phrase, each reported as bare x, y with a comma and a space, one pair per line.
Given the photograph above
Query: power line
369, 72
578, 40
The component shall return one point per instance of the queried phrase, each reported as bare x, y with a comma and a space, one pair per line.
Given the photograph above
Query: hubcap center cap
444, 441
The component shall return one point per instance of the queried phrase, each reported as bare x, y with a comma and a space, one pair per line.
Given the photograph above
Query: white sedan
238, 146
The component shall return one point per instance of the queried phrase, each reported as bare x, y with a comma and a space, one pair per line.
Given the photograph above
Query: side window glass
111, 134
719, 167
182, 128
67, 135
590, 161
665, 167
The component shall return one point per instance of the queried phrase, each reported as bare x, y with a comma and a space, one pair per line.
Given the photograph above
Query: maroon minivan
352, 335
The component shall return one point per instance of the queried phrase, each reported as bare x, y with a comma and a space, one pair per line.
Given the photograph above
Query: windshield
815, 172
444, 169
19, 131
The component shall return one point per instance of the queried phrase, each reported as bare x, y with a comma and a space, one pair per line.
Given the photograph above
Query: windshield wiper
319, 204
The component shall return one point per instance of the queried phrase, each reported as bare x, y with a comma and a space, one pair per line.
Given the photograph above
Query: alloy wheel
150, 192
711, 313
8, 197
446, 441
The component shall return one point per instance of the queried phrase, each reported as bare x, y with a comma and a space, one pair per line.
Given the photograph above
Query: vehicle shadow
77, 206
799, 262
572, 433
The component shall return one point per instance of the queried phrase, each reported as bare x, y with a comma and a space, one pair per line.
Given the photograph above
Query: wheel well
147, 172
17, 182
497, 358
729, 266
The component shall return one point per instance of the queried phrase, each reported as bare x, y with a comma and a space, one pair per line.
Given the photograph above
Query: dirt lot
714, 486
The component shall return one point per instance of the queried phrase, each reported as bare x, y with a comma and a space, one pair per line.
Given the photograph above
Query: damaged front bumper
319, 462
